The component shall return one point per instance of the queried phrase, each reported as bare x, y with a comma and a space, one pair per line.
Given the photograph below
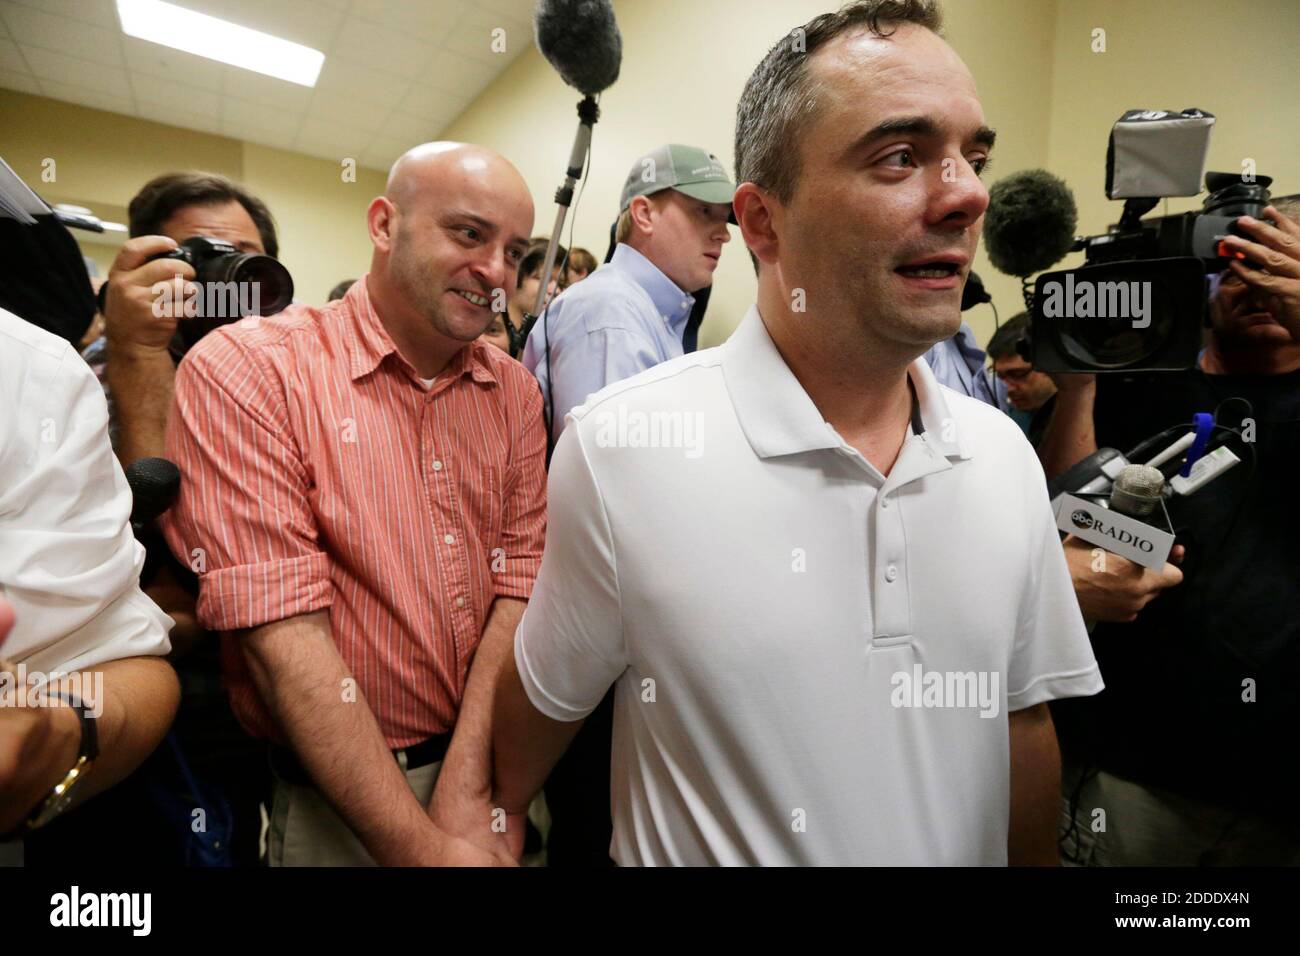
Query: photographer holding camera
1185, 759
136, 361
139, 370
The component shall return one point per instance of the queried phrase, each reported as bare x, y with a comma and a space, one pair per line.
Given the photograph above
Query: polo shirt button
891, 573
437, 466
884, 502
460, 602
449, 538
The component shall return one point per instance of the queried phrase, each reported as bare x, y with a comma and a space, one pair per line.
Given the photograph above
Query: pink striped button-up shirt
319, 472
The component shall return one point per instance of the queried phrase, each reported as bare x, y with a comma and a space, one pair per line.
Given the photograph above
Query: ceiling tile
428, 20
302, 21
383, 49
32, 27
23, 82
164, 63
174, 115
409, 129
99, 12
345, 76
67, 69
11, 59
86, 96
474, 37
332, 140
247, 113
181, 98
275, 95
460, 74
432, 104
254, 132
353, 111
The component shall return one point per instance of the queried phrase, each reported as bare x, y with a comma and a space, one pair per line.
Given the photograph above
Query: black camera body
1141, 300
232, 285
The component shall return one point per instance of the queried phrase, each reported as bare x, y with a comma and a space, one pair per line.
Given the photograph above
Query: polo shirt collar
669, 300
778, 417
369, 342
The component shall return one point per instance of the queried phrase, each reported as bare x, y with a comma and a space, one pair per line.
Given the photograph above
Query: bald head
435, 169
449, 231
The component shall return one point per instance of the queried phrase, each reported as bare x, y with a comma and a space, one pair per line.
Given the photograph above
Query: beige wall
1051, 100
1175, 55
102, 159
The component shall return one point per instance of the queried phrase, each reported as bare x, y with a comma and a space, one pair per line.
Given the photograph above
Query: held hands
1120, 588
467, 815
145, 296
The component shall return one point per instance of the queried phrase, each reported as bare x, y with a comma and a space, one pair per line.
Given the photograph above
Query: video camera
1141, 299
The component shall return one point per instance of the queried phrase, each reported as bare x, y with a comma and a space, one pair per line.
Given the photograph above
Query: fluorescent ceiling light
220, 40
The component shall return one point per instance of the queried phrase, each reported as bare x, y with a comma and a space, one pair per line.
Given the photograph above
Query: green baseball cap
688, 169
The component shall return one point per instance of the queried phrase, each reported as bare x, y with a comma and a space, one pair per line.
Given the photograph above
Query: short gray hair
780, 98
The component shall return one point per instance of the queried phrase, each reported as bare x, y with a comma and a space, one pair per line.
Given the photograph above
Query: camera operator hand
1122, 588
139, 324
136, 318
1277, 252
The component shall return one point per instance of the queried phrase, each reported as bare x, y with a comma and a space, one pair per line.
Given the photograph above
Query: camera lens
253, 272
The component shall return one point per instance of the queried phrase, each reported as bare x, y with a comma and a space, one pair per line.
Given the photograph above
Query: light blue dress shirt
958, 362
624, 318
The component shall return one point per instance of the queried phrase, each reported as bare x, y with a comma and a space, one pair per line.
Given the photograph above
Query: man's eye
902, 152
470, 232
980, 164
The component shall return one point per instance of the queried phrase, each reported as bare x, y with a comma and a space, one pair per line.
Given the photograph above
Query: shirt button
460, 602
891, 573
884, 502
437, 466
449, 538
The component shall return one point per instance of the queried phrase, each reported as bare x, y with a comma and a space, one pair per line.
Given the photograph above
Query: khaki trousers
1141, 825
305, 830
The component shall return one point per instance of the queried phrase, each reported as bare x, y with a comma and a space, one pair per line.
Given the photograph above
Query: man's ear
640, 210
758, 214
381, 220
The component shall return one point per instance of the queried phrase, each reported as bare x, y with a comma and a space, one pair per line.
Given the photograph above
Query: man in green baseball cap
628, 316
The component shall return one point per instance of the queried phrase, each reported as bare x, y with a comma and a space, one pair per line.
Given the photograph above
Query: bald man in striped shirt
363, 498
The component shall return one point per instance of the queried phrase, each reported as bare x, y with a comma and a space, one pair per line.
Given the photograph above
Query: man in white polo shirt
829, 592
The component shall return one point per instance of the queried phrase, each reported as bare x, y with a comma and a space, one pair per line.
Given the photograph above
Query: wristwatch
60, 797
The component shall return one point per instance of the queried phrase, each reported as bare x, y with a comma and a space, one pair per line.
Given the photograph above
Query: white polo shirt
814, 663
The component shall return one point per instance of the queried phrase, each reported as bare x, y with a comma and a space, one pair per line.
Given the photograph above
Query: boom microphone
581, 40
1029, 225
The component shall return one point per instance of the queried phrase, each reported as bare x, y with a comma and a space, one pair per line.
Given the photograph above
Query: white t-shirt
69, 563
776, 615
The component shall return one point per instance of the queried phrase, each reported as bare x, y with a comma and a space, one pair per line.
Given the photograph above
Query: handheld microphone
154, 483
1137, 490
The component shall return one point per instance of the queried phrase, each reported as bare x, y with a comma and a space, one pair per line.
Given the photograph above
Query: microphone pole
588, 114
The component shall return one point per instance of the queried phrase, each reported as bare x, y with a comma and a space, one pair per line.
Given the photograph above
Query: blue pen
1203, 423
